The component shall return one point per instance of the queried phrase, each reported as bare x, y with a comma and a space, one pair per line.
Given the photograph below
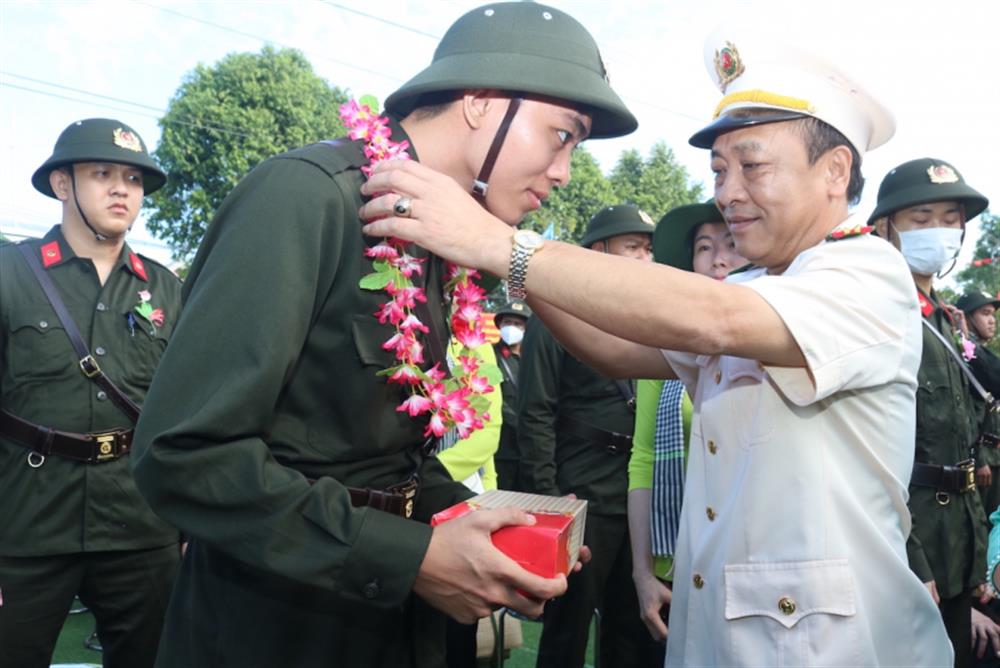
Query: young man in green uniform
73, 521
271, 439
923, 206
574, 437
511, 319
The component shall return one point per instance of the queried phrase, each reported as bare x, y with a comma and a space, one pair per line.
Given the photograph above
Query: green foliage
655, 184
986, 276
224, 120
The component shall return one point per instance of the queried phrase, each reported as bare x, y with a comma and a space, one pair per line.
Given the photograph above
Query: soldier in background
511, 319
73, 522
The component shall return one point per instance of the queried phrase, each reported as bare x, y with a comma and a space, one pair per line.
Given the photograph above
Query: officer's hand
654, 596
443, 217
466, 577
984, 631
932, 588
958, 316
984, 476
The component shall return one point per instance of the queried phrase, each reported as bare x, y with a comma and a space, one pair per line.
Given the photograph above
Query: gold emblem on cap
127, 140
645, 218
728, 65
942, 174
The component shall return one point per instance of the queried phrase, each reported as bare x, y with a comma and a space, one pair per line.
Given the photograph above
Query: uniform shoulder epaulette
840, 234
146, 261
332, 156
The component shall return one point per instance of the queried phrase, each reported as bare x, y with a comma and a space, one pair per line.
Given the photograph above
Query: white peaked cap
755, 70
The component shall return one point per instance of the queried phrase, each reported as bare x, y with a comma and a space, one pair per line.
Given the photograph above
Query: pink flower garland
452, 402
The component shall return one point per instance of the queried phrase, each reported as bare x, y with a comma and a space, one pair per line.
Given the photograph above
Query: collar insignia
926, 306
137, 266
127, 140
942, 174
728, 65
51, 254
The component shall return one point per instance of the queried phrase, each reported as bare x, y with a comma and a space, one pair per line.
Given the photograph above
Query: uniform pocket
39, 347
800, 613
369, 336
144, 346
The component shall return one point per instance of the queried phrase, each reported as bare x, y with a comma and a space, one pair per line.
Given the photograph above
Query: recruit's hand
443, 218
466, 577
958, 316
984, 632
654, 596
984, 476
932, 588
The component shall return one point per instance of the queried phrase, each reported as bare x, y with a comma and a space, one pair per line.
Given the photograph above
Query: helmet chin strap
83, 216
481, 184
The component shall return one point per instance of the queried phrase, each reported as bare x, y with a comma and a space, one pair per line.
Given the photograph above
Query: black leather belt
395, 500
613, 442
93, 448
958, 478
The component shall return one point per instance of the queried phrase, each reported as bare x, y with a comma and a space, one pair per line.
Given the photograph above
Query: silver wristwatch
526, 244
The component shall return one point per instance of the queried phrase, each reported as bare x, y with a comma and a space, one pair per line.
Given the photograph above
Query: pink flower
415, 405
144, 295
470, 365
472, 339
408, 265
968, 349
436, 426
405, 374
407, 297
390, 312
382, 251
480, 384
156, 317
435, 373
410, 323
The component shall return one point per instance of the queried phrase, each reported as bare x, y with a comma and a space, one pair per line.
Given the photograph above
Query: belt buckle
968, 469
106, 443
407, 490
89, 366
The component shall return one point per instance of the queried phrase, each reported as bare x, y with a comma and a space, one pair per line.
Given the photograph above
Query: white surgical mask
928, 251
511, 334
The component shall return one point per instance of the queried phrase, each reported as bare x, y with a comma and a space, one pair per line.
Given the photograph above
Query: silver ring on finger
403, 207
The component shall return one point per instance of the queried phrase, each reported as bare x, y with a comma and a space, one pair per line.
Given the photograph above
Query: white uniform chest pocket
799, 613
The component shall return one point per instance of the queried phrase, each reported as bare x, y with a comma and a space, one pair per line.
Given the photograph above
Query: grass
78, 627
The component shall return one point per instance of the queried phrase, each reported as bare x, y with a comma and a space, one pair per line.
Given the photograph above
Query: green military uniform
72, 528
507, 458
947, 543
986, 367
271, 381
574, 436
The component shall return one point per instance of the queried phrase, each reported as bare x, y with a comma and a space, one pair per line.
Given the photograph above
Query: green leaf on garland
371, 101
492, 373
376, 281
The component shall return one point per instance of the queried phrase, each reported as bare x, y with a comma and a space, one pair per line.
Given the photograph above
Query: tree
656, 185
225, 119
983, 273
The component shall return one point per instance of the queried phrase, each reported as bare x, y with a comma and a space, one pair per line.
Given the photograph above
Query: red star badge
137, 266
51, 254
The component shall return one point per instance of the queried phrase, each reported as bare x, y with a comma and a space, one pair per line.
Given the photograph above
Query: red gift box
550, 546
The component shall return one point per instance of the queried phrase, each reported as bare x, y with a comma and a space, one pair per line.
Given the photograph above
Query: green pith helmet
973, 301
673, 236
616, 220
924, 181
515, 307
100, 140
521, 47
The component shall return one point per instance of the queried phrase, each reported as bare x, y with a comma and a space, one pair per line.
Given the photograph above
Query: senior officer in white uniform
803, 370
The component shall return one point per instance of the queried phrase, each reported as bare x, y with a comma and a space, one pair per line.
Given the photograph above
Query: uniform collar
54, 251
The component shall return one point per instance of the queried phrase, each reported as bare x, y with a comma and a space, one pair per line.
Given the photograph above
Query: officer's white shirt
792, 543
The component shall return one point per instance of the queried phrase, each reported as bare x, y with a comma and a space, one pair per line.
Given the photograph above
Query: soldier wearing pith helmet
74, 523
819, 346
310, 505
512, 320
574, 436
923, 207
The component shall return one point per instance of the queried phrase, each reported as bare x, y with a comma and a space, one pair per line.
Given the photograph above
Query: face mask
511, 334
928, 251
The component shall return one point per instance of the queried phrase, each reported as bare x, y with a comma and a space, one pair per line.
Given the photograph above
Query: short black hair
821, 137
430, 105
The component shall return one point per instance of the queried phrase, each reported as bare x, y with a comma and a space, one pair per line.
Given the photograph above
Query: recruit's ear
477, 106
60, 182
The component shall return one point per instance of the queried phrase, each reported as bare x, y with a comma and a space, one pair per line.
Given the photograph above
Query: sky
933, 64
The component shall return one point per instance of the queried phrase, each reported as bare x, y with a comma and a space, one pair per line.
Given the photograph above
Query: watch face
528, 238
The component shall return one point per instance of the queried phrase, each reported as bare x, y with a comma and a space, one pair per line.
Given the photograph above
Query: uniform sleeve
916, 556
640, 464
266, 268
859, 288
986, 367
538, 406
475, 452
